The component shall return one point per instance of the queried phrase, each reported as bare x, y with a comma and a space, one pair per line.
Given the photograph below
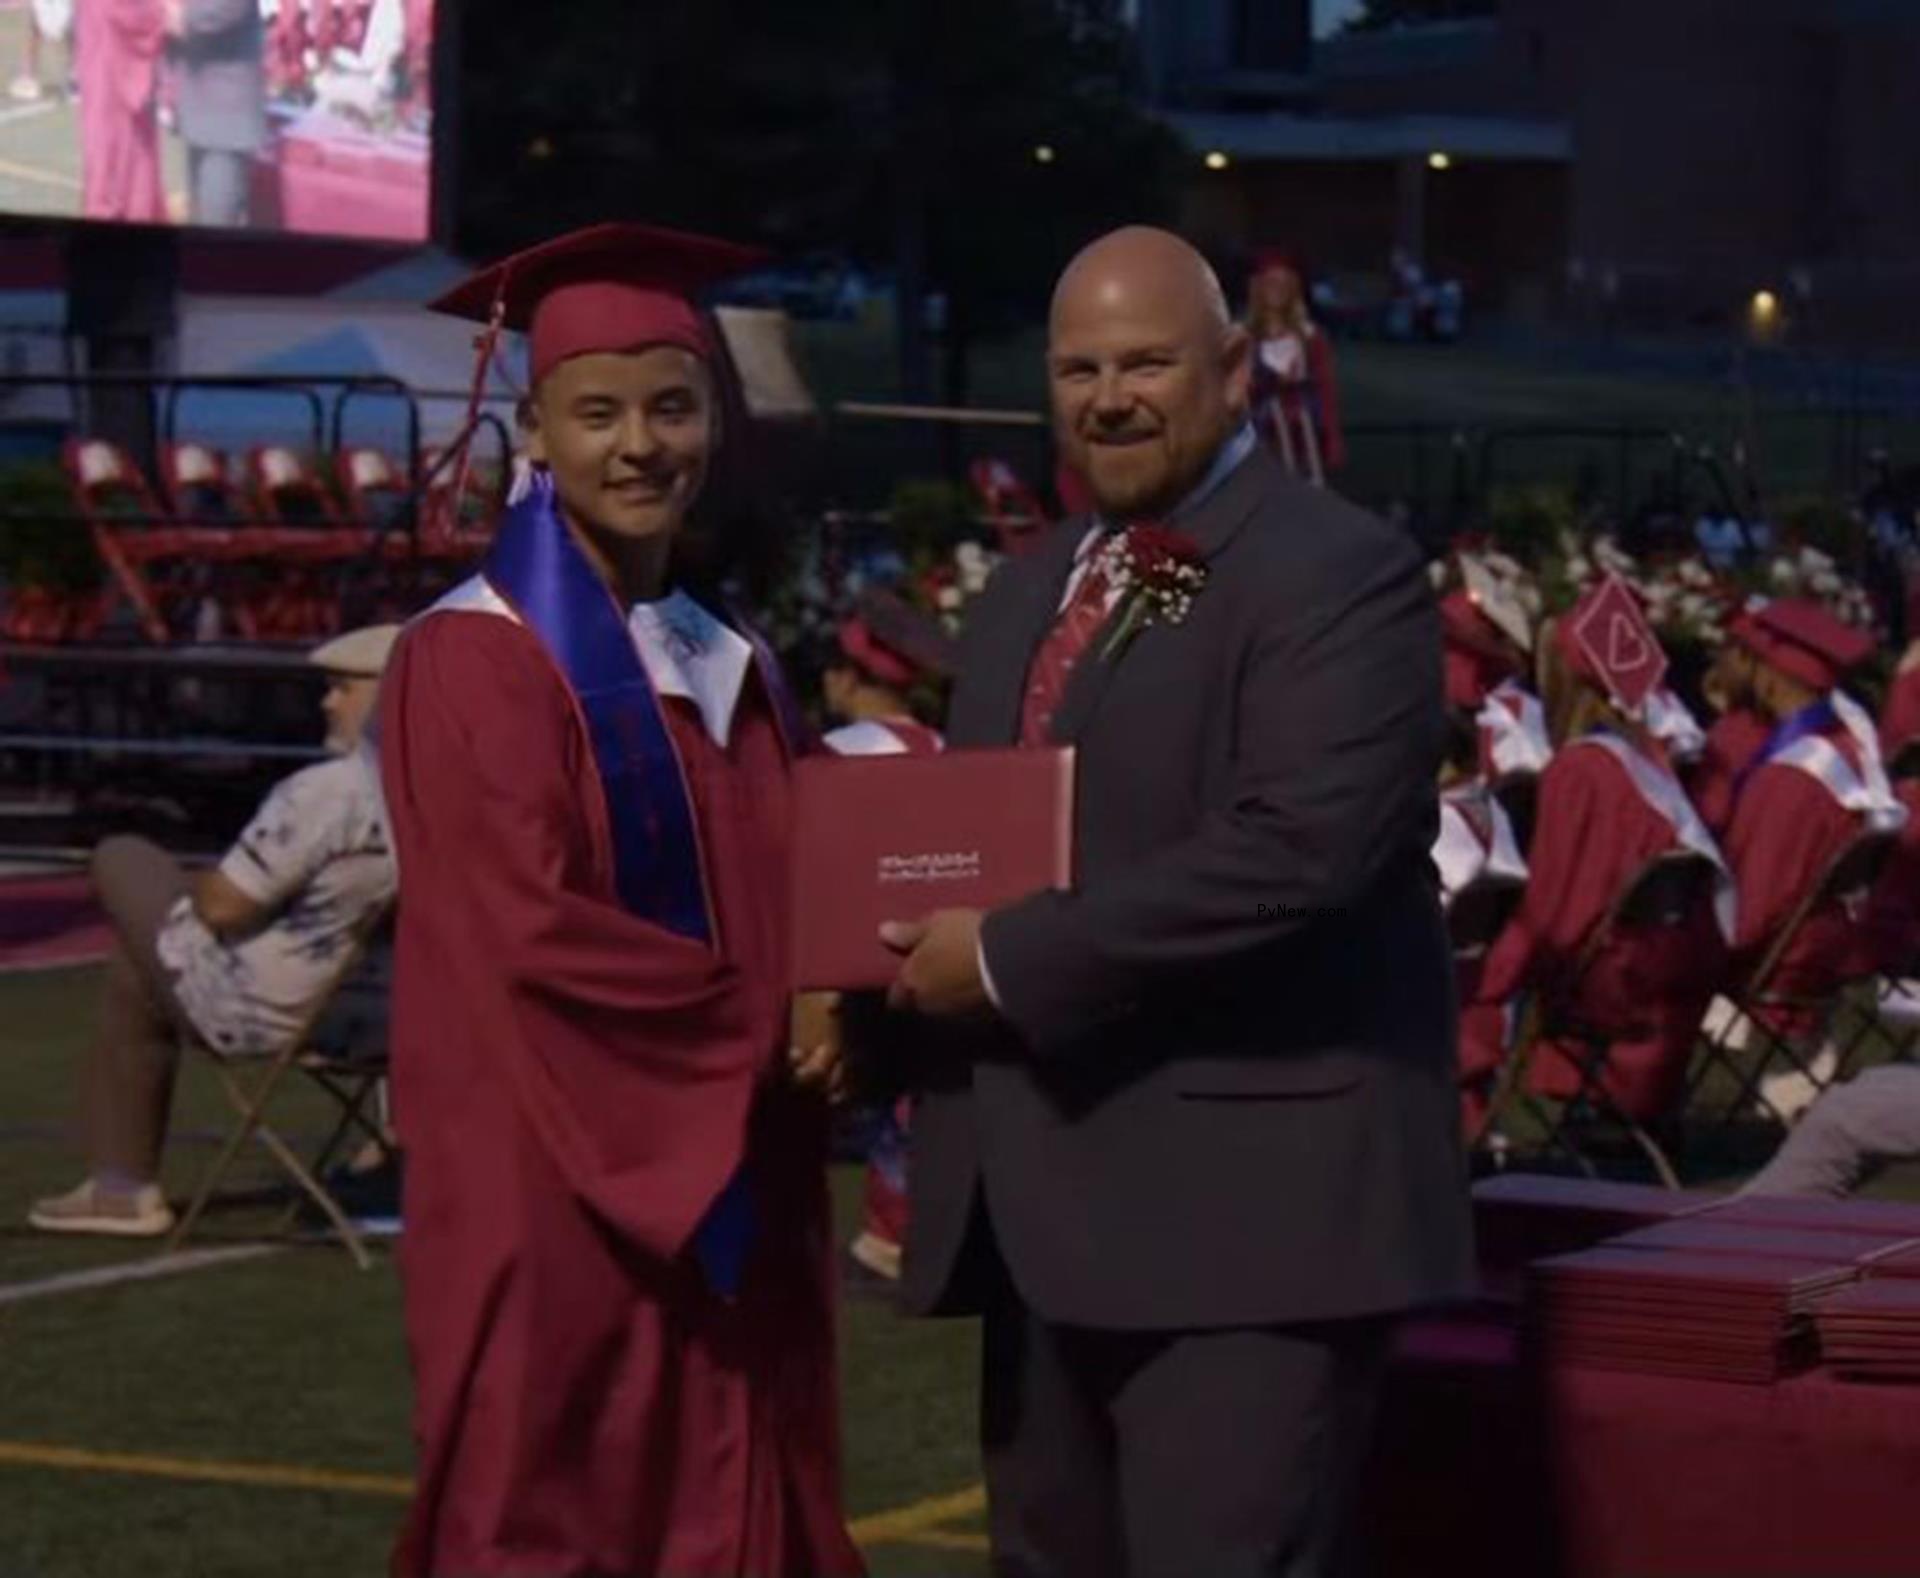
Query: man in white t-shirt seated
239, 956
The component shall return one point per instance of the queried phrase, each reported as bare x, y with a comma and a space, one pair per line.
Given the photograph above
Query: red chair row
268, 547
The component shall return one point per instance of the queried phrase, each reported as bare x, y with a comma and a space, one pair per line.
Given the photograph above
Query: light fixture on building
1439, 161
1217, 160
1765, 304
1043, 153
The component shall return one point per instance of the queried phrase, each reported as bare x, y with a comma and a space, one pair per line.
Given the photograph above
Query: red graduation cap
1605, 638
1277, 257
866, 652
1476, 654
613, 287
891, 641
1805, 642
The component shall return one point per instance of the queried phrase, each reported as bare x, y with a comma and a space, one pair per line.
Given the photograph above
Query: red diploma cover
880, 838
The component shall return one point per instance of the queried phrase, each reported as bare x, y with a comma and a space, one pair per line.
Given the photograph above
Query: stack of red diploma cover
1871, 1330
880, 838
1520, 1217
1747, 1288
1709, 1315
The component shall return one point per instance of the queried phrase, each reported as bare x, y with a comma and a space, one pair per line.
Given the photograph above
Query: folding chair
132, 533
1476, 916
378, 494
460, 529
1666, 897
1842, 892
1013, 509
306, 531
352, 1077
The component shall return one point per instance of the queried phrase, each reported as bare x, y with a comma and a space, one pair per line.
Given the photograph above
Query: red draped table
1492, 1466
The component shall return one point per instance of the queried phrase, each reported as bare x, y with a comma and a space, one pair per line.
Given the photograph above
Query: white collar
691, 654
1225, 463
684, 649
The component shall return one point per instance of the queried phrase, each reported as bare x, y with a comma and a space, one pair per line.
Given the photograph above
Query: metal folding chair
134, 536
1476, 915
1745, 1045
1665, 895
352, 1077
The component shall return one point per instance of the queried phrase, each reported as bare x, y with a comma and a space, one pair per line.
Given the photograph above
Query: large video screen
313, 116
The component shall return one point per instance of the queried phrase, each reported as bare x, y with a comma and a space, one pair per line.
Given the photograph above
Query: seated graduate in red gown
882, 656
618, 1260
1896, 902
1817, 784
1900, 713
1609, 803
1487, 662
1476, 850
1737, 732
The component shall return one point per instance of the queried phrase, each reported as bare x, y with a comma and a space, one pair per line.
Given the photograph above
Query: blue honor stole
538, 568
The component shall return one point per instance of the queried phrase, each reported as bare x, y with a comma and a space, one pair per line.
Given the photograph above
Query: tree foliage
899, 132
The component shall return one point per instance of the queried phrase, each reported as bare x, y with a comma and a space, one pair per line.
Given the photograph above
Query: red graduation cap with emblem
1608, 640
1803, 641
613, 287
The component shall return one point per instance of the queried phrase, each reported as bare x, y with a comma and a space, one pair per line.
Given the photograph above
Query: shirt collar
691, 654
1225, 462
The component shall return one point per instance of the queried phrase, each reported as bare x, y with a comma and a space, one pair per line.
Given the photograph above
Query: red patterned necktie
1055, 658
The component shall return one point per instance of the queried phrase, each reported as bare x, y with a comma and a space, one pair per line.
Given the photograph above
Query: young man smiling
617, 1260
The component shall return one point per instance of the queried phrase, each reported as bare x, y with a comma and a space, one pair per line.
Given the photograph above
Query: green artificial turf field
251, 1418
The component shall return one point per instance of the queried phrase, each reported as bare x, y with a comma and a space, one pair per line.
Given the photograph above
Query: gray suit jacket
222, 76
1222, 1093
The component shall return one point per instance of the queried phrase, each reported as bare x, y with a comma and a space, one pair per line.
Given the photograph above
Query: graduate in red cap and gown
1896, 902
1609, 803
1817, 783
882, 653
117, 45
618, 1263
1487, 642
1476, 845
1296, 400
1737, 733
1900, 713
1501, 736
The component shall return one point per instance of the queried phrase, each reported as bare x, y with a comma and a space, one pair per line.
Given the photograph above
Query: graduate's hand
816, 1054
941, 971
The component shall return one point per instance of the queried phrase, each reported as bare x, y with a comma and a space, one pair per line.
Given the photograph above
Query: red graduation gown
1644, 996
1893, 912
1732, 742
573, 1085
1786, 830
117, 45
1900, 714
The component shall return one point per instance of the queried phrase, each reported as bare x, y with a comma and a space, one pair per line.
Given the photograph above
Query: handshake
939, 975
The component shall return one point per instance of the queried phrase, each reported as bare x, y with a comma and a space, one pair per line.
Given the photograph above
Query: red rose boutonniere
1159, 570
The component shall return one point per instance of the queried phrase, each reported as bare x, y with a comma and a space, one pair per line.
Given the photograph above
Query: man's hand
224, 909
816, 1056
941, 972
